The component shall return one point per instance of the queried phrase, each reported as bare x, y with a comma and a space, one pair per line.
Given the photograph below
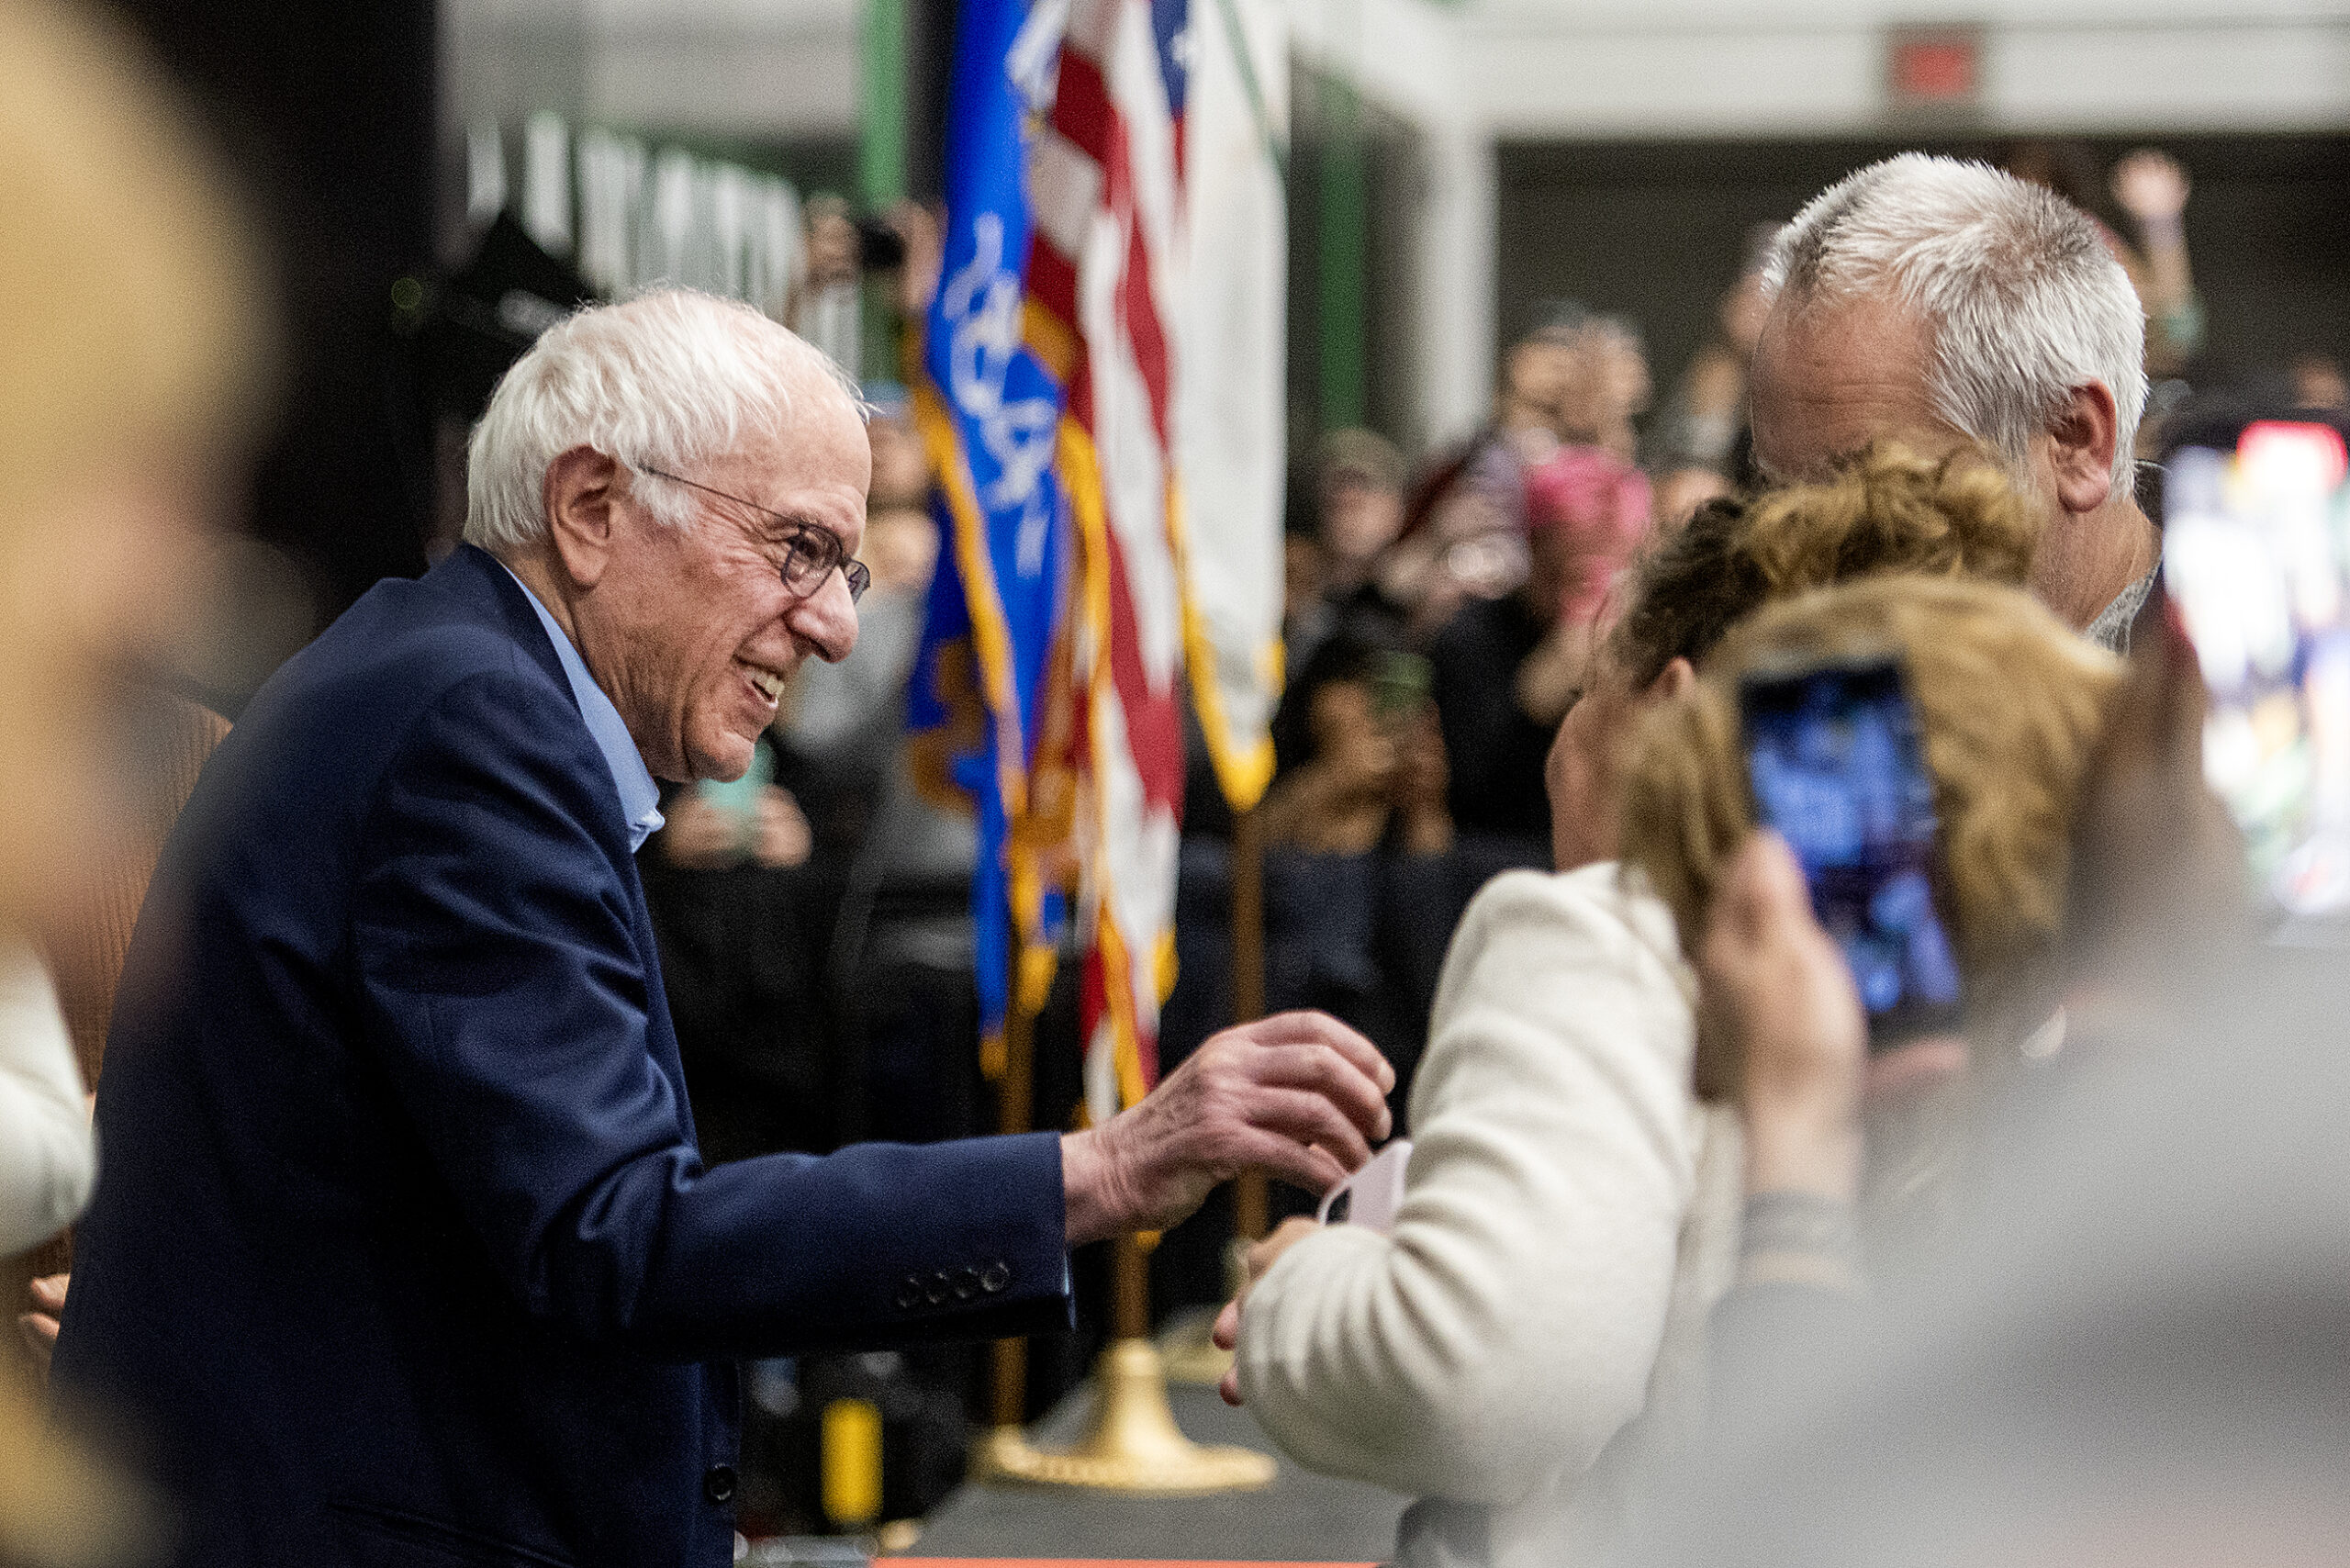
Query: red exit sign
1934, 68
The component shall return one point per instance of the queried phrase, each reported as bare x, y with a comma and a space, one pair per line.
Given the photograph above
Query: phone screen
1399, 684
1833, 759
2257, 554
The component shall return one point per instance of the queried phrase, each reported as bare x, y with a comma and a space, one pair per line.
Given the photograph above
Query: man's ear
1677, 676
582, 487
2081, 439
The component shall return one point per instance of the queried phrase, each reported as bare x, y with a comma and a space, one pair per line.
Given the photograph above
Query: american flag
1106, 179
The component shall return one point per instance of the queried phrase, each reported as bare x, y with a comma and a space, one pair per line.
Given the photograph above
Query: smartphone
2256, 555
1373, 1195
1834, 765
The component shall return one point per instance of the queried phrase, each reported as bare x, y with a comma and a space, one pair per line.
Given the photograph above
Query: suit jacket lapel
474, 576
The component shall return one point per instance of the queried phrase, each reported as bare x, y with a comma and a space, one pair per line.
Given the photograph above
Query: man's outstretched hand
1299, 1095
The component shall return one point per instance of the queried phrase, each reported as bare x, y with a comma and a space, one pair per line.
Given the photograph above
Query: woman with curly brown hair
2009, 704
1528, 1341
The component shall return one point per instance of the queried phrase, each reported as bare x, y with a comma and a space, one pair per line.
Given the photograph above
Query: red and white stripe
1107, 182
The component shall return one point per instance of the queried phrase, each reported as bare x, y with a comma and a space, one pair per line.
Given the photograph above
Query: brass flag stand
1133, 1444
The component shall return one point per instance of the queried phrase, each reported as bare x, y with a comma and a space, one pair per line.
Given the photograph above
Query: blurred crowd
2077, 1254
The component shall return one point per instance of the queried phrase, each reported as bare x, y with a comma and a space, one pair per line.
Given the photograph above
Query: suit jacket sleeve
502, 978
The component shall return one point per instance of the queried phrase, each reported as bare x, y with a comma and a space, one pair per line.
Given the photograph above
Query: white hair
2023, 297
669, 379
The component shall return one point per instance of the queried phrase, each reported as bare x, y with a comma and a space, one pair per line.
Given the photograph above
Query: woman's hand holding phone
1776, 989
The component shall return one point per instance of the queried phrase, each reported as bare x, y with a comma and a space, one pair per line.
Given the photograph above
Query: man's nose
826, 618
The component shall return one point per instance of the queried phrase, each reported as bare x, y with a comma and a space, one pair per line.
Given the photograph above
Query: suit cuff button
718, 1485
909, 1294
994, 1277
966, 1283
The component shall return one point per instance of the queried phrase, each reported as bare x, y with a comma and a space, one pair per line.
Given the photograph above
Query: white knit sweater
1530, 1340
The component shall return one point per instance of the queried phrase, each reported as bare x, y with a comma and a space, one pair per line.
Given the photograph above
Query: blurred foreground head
129, 326
2010, 707
2133, 1349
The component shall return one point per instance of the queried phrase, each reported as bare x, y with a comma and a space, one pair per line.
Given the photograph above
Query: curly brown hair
1886, 509
2010, 705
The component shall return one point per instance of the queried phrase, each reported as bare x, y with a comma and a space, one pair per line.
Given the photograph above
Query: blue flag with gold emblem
990, 700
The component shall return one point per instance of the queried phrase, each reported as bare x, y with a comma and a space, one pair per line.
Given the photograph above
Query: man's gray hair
667, 380
2016, 285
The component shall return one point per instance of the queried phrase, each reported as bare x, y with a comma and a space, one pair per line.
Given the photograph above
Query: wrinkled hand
1299, 1095
2150, 186
1261, 1257
700, 836
38, 1327
780, 837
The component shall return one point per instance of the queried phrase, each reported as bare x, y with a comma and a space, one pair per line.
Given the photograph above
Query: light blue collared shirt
640, 795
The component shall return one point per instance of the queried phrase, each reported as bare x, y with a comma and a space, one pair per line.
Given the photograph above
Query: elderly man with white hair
405, 1253
1942, 301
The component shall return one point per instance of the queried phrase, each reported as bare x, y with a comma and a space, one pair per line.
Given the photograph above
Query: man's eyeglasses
810, 553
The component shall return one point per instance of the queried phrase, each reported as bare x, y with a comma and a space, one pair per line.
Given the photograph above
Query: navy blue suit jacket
403, 1252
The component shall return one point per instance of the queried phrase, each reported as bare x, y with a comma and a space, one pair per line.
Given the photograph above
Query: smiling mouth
767, 683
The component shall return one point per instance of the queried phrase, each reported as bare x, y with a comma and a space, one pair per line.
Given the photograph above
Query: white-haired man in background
406, 1252
1936, 300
